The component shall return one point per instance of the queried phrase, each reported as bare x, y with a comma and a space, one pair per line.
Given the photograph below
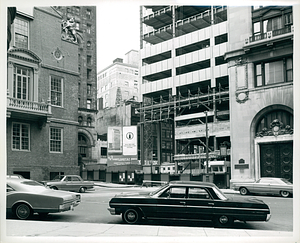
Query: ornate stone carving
58, 55
69, 32
276, 128
242, 97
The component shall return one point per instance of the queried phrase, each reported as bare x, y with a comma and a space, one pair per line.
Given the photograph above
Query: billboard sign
114, 140
130, 140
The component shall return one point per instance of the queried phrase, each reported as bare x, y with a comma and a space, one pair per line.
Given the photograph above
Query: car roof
193, 183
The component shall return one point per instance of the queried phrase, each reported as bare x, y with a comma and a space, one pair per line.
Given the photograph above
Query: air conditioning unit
292, 28
269, 34
246, 41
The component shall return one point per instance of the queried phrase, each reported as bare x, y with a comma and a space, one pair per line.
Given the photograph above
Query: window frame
20, 137
262, 74
61, 140
29, 82
16, 32
61, 92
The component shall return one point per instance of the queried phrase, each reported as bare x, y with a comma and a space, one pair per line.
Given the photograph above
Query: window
56, 91
88, 73
88, 44
89, 89
88, 28
89, 121
21, 83
268, 73
200, 193
88, 104
221, 39
21, 33
20, 136
82, 146
272, 24
174, 192
80, 119
55, 140
88, 13
89, 60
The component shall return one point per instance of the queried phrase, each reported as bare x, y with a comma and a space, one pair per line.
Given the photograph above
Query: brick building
42, 95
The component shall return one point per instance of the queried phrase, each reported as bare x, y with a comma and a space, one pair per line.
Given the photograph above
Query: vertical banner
114, 140
130, 140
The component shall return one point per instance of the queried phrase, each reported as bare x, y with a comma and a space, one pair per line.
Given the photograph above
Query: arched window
82, 146
285, 117
89, 121
80, 119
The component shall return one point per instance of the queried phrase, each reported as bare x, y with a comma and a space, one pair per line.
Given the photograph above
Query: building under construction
217, 91
185, 90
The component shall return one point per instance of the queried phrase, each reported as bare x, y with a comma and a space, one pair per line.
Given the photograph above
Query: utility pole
206, 134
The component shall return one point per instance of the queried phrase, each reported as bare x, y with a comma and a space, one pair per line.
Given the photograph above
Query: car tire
223, 221
82, 190
244, 191
131, 216
284, 193
23, 211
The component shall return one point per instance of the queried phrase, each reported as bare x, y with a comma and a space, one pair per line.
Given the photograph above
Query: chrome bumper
112, 211
268, 217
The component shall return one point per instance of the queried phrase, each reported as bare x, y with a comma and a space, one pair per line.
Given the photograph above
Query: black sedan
188, 200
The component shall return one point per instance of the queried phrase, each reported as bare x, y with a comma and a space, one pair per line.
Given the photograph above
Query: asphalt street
91, 218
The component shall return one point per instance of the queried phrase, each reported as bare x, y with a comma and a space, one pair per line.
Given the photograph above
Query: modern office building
184, 88
42, 112
118, 81
216, 82
82, 19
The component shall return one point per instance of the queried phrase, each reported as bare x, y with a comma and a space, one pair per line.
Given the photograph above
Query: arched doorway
274, 143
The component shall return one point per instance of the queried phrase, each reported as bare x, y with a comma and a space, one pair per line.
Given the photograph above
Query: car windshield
158, 190
286, 181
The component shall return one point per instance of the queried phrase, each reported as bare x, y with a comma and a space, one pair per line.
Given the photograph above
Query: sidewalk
45, 229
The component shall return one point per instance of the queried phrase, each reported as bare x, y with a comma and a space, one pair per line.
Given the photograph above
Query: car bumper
112, 211
268, 217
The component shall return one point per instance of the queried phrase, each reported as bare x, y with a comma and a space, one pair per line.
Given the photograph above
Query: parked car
69, 183
188, 200
266, 185
14, 176
25, 197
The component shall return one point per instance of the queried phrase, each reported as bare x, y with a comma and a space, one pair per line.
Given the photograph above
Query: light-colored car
25, 197
14, 176
72, 183
266, 185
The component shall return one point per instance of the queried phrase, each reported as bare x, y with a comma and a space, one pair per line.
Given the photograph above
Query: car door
172, 203
262, 186
75, 184
199, 203
66, 184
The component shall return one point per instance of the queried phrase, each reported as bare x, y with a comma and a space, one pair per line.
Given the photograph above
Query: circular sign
129, 135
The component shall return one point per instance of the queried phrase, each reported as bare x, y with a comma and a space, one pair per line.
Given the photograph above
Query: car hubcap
131, 216
223, 219
22, 212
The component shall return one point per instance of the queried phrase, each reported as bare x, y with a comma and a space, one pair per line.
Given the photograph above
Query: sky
118, 30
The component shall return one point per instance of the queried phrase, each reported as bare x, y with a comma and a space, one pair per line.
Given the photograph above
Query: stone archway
272, 146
